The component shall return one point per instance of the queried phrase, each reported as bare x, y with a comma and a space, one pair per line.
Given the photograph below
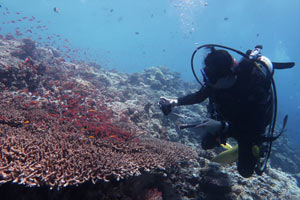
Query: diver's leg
247, 161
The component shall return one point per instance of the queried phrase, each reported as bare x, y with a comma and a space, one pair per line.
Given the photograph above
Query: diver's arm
167, 104
194, 98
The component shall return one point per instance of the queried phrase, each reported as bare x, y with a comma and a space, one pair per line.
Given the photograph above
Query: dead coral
26, 49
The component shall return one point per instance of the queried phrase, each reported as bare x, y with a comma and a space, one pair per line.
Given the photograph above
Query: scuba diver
242, 104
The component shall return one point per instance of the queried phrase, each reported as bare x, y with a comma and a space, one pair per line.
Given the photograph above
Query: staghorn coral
49, 157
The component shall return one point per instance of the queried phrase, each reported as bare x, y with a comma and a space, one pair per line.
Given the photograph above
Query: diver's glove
214, 133
166, 104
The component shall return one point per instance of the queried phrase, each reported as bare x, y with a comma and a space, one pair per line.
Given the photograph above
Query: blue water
133, 35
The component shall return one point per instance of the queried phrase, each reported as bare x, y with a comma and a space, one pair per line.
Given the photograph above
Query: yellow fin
227, 157
226, 146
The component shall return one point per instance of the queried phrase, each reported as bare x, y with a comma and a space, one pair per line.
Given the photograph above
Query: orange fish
91, 137
113, 136
26, 122
26, 60
92, 110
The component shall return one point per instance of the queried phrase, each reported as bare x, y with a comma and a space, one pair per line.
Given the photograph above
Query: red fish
18, 33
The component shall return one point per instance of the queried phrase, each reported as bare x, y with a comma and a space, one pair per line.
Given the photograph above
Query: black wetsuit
247, 107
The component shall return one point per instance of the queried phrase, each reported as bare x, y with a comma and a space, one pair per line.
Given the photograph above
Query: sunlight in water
187, 10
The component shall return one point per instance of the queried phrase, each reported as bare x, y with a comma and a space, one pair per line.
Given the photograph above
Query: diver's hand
173, 102
166, 104
210, 126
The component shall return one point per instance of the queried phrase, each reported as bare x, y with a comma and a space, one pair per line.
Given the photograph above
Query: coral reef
57, 129
79, 131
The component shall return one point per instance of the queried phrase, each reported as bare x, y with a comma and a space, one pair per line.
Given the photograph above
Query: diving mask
223, 82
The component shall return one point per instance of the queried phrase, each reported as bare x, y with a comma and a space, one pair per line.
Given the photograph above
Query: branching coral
37, 155
58, 130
